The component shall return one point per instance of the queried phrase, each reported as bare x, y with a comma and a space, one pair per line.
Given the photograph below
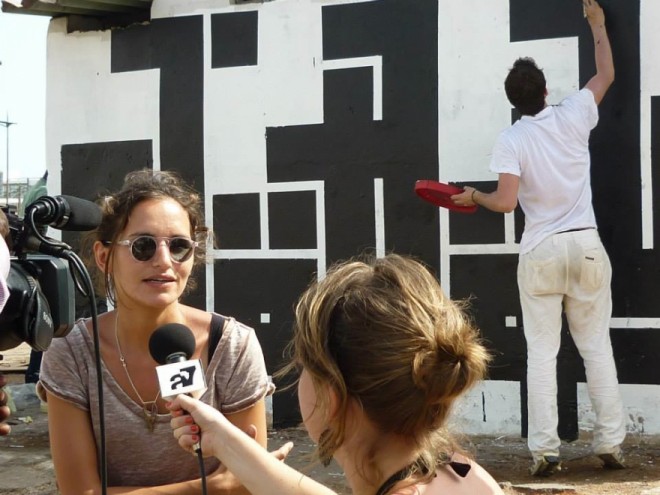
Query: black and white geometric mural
306, 124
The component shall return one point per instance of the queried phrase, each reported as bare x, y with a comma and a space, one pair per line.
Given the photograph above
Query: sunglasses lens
143, 248
180, 248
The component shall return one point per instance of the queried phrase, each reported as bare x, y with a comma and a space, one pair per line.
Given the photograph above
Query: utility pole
7, 124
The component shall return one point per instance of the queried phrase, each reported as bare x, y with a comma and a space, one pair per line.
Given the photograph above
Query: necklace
149, 408
389, 483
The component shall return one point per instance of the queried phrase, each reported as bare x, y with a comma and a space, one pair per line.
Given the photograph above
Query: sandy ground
26, 468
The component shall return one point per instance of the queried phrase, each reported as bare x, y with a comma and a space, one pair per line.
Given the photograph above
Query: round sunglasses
144, 247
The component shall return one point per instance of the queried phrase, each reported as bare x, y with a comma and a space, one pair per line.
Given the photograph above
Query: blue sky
23, 93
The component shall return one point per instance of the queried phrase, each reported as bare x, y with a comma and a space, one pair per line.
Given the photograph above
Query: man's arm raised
599, 83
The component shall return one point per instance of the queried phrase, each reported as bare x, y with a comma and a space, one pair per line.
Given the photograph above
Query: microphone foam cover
169, 339
85, 215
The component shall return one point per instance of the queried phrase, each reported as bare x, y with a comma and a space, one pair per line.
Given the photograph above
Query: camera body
41, 302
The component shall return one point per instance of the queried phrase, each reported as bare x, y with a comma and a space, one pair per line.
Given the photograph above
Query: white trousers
571, 272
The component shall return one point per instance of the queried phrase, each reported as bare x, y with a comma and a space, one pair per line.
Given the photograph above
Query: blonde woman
382, 354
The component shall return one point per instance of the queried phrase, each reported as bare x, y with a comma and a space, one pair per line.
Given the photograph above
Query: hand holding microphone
172, 345
179, 378
190, 417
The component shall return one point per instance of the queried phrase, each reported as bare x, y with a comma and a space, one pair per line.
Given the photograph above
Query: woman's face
312, 416
159, 281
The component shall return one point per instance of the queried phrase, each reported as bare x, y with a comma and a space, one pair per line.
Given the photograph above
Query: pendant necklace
149, 408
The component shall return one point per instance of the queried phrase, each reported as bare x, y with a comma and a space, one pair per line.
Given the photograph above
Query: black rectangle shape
292, 220
236, 221
234, 39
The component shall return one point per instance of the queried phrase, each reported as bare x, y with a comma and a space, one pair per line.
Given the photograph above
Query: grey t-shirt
236, 378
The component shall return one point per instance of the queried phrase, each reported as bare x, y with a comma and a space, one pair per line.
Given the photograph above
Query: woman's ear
101, 255
333, 402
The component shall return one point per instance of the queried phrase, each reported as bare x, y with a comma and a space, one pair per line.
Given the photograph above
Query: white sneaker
613, 460
545, 465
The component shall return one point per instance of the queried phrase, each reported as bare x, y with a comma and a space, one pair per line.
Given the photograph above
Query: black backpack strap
217, 326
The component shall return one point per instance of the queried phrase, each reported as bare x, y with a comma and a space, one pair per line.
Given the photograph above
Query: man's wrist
472, 196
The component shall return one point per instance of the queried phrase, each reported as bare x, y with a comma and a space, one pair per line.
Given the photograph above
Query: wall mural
305, 124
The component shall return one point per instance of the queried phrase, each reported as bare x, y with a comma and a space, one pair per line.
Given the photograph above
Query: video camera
42, 275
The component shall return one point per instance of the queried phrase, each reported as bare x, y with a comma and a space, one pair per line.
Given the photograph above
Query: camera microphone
65, 213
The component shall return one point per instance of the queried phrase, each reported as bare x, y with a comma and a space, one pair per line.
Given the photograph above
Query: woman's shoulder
477, 481
236, 336
484, 481
78, 335
229, 324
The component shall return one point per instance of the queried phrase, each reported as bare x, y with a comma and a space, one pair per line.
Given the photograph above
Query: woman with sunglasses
150, 238
383, 355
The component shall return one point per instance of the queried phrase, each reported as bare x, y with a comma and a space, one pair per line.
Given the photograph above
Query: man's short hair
525, 86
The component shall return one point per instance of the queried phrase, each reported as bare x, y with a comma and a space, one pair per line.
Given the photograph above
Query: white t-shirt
550, 154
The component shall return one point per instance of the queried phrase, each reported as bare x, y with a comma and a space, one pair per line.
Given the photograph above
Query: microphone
65, 213
171, 345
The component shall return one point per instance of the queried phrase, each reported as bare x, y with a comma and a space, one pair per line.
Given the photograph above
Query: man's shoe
545, 466
613, 460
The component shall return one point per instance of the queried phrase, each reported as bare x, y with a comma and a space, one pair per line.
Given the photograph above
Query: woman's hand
190, 417
4, 225
193, 420
4, 409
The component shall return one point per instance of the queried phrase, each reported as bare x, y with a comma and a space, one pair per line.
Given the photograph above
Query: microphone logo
185, 377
